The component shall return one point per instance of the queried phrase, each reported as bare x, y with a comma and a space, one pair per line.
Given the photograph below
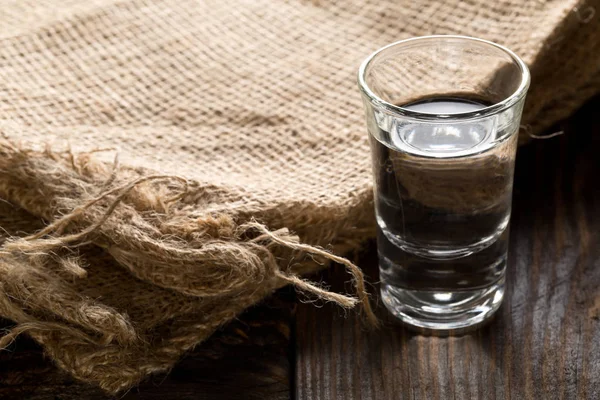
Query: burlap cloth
245, 118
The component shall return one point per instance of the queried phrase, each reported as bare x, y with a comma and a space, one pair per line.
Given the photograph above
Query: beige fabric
254, 106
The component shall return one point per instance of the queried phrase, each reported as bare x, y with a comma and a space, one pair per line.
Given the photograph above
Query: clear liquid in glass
442, 202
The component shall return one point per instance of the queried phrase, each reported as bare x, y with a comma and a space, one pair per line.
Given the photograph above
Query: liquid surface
445, 105
442, 139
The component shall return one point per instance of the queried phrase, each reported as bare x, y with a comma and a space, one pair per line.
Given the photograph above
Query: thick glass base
443, 311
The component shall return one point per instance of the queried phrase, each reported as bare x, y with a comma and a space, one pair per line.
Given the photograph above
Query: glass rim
495, 108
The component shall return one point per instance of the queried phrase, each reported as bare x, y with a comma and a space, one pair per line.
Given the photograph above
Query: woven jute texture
241, 148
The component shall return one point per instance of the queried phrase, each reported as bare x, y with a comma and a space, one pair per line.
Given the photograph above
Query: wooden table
543, 344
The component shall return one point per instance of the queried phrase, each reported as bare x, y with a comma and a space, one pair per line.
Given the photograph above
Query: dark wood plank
545, 341
248, 359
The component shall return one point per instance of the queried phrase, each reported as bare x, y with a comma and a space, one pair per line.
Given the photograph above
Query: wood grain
544, 342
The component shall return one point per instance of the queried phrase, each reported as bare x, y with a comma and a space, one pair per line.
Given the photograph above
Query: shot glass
443, 116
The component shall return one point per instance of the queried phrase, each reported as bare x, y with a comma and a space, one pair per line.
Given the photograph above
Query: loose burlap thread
241, 150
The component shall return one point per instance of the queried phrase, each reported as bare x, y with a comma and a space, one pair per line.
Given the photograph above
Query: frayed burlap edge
144, 222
